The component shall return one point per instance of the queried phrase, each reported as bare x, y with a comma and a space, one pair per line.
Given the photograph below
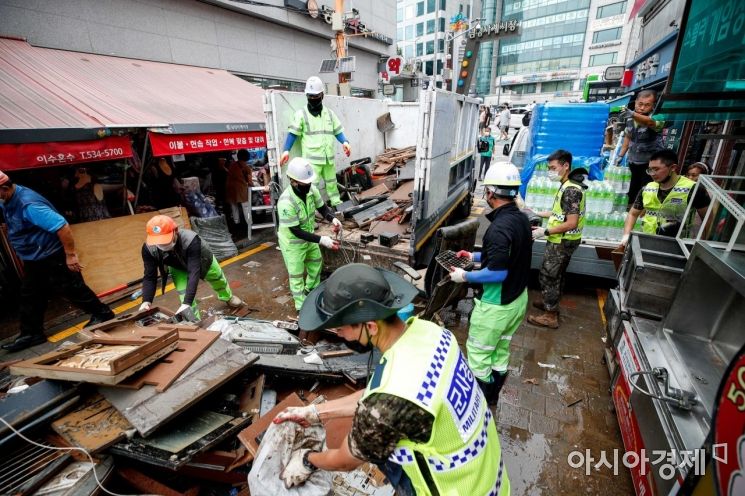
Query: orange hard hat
160, 230
3, 178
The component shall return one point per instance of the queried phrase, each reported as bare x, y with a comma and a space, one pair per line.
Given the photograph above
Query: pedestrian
504, 122
238, 189
642, 138
563, 234
422, 418
696, 169
486, 150
505, 265
188, 259
297, 221
317, 126
484, 117
664, 200
43, 240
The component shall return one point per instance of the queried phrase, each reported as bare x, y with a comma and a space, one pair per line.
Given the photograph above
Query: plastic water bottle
546, 187
530, 194
626, 175
605, 226
589, 230
618, 223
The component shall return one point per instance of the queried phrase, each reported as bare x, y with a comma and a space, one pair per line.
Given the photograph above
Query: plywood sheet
378, 190
94, 425
248, 436
403, 192
109, 249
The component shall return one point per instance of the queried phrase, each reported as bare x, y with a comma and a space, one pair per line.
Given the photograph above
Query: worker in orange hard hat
188, 259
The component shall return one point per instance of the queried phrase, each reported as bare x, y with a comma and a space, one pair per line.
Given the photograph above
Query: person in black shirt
505, 264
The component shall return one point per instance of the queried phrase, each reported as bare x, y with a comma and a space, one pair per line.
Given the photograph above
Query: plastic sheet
277, 446
214, 232
195, 201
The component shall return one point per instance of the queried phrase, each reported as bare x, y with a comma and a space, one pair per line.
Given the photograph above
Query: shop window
442, 24
443, 4
611, 34
420, 29
420, 9
428, 66
611, 10
439, 67
430, 47
603, 59
430, 26
440, 45
419, 49
431, 4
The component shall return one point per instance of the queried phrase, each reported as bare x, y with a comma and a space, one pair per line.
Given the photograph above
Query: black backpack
483, 145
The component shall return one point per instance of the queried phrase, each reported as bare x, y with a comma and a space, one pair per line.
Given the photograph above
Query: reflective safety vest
558, 217
671, 210
463, 457
294, 212
317, 134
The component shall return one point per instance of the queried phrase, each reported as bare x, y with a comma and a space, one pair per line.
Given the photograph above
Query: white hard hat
502, 179
300, 170
314, 86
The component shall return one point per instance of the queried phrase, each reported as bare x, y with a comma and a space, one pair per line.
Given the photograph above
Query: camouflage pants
556, 258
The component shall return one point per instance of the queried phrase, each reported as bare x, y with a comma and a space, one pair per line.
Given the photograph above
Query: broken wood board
249, 436
380, 189
365, 217
146, 409
250, 401
94, 425
403, 192
31, 403
98, 243
176, 444
388, 226
145, 353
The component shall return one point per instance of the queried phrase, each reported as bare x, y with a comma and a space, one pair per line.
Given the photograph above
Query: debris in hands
546, 365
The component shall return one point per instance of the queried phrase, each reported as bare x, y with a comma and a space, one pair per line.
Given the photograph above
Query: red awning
31, 155
51, 90
177, 144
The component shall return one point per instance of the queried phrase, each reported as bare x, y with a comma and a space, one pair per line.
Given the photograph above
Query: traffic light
465, 67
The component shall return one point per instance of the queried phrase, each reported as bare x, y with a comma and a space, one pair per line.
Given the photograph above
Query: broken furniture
353, 368
94, 425
99, 360
259, 336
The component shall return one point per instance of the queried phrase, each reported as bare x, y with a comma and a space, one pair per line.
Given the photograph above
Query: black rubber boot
498, 381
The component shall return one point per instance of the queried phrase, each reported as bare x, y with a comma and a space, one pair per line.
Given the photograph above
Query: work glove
465, 254
145, 306
336, 224
347, 148
284, 158
186, 313
295, 472
305, 416
538, 232
457, 275
329, 243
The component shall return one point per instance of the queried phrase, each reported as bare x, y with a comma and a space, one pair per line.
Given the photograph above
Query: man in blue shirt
43, 240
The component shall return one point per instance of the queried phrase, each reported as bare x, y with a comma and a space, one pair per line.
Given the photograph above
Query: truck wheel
463, 210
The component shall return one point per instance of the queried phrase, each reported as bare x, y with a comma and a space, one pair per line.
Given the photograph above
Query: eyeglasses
651, 171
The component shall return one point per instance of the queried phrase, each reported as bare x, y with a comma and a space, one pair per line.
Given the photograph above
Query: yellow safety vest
294, 212
463, 456
669, 211
557, 215
317, 134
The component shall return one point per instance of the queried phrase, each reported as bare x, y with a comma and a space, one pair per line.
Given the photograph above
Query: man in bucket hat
422, 406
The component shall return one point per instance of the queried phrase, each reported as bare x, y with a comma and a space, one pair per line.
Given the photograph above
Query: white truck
444, 128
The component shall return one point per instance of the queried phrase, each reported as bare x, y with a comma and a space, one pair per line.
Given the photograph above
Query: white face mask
554, 176
167, 247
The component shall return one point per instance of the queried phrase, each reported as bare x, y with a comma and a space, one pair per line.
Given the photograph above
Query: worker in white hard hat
502, 299
299, 245
317, 127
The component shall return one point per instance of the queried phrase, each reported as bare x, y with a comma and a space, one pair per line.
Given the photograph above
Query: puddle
525, 456
561, 380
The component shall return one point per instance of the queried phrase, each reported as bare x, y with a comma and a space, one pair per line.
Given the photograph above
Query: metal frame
718, 196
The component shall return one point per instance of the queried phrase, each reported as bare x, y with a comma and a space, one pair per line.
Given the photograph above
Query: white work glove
618, 160
185, 312
336, 224
538, 232
145, 306
284, 158
465, 254
295, 472
182, 308
625, 239
457, 275
329, 243
302, 415
347, 148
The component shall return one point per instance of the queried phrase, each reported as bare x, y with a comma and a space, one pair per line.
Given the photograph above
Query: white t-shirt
504, 117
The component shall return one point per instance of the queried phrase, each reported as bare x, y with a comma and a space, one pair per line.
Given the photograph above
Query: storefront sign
493, 30
613, 73
33, 155
605, 44
174, 144
535, 78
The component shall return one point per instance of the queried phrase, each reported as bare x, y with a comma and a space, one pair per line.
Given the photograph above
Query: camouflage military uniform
380, 422
557, 256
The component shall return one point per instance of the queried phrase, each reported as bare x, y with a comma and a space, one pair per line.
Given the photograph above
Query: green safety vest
671, 210
463, 457
317, 134
294, 212
557, 215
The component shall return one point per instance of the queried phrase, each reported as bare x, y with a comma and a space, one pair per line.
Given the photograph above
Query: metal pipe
143, 161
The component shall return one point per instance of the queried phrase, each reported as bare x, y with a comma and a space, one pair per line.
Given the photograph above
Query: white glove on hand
182, 308
538, 232
625, 239
458, 275
295, 472
302, 415
336, 223
329, 243
145, 306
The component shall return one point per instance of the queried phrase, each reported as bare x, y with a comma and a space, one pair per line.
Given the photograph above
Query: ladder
263, 208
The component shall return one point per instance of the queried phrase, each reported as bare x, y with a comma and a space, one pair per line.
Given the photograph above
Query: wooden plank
378, 190
403, 193
389, 226
250, 401
146, 409
95, 425
248, 436
98, 243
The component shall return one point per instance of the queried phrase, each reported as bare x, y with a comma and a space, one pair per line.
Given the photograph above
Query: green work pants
215, 277
303, 261
490, 334
327, 172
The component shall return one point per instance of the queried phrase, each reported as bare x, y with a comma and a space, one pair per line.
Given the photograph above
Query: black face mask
359, 347
301, 190
315, 105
